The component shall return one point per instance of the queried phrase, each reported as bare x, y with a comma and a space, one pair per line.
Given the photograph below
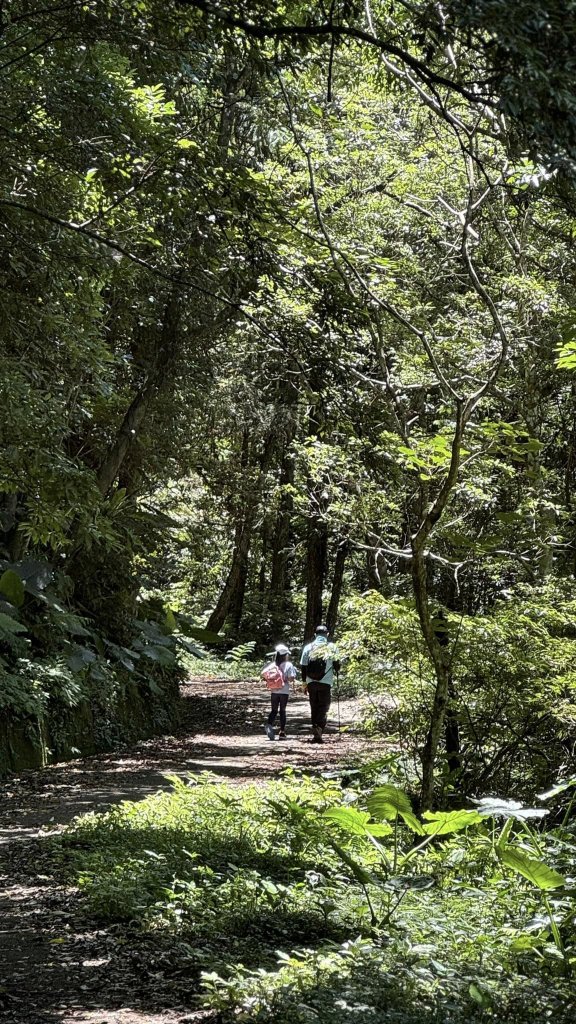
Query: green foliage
567, 356
513, 675
220, 349
12, 587
529, 50
241, 652
235, 875
540, 875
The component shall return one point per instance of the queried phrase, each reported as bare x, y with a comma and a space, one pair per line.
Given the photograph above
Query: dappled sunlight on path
57, 967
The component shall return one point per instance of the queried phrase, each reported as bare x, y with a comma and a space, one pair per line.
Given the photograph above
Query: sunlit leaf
493, 807
536, 871
389, 802
443, 822
349, 819
560, 787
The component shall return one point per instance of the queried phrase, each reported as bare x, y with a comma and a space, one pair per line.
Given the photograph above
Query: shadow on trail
58, 966
221, 732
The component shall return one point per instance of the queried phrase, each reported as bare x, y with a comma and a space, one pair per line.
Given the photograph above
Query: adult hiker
319, 662
278, 676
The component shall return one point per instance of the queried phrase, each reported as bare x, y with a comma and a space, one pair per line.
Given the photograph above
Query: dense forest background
288, 334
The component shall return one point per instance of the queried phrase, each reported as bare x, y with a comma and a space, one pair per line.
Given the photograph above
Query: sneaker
282, 735
317, 734
268, 729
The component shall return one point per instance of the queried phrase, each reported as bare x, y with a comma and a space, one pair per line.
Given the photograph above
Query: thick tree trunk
231, 601
452, 732
232, 596
316, 550
237, 602
337, 581
127, 434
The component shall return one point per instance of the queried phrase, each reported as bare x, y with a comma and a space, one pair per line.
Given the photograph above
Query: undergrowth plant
301, 902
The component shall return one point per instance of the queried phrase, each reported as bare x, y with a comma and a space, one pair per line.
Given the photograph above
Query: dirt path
55, 965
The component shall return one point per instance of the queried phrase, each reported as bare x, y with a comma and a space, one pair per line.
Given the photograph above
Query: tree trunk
282, 532
315, 568
138, 408
442, 673
264, 547
317, 535
237, 602
231, 600
452, 725
232, 596
127, 434
452, 732
337, 581
439, 654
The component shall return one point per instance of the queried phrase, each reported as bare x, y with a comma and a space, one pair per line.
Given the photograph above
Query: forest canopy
288, 334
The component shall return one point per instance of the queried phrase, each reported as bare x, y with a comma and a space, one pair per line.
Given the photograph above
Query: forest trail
57, 966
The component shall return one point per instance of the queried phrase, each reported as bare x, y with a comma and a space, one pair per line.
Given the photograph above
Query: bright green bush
514, 680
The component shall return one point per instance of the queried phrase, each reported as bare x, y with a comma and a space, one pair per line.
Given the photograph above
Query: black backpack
316, 670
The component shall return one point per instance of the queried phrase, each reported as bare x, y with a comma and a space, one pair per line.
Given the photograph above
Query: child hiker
278, 676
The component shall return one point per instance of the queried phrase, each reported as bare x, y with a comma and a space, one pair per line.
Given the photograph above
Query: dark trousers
279, 702
320, 696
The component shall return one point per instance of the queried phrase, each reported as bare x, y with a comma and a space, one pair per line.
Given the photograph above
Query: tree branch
327, 30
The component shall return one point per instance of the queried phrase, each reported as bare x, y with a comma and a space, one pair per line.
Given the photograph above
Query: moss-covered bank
96, 722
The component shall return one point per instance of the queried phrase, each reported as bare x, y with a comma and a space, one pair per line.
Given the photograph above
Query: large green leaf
159, 654
10, 625
441, 823
193, 649
80, 658
389, 802
349, 819
205, 636
536, 871
12, 587
378, 828
124, 655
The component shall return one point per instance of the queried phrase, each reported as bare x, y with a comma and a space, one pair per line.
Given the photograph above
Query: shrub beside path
57, 966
